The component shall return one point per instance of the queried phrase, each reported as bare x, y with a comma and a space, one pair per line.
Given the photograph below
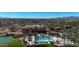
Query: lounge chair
39, 42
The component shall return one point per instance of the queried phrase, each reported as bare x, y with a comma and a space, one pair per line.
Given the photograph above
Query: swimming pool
6, 39
43, 38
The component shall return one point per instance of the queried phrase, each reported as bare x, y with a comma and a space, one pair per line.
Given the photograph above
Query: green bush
44, 45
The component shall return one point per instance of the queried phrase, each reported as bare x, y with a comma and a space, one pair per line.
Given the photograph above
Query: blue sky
37, 14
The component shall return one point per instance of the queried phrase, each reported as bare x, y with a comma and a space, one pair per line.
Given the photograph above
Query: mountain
68, 18
59, 18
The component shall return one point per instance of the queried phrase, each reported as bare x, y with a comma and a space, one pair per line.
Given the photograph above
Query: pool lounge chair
45, 42
39, 42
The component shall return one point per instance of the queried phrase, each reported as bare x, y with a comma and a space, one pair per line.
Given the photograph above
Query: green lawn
15, 43
48, 45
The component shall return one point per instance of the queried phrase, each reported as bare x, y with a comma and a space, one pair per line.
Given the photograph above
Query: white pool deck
54, 39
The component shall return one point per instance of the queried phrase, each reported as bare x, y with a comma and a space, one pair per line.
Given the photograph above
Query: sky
37, 14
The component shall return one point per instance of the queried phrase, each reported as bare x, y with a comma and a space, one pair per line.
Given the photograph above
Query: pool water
43, 38
6, 39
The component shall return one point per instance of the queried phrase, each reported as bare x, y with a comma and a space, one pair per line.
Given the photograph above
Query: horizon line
39, 17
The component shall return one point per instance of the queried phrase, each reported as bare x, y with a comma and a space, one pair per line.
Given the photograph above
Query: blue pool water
6, 39
43, 38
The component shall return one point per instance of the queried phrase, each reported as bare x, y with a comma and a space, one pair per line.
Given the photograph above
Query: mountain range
58, 18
